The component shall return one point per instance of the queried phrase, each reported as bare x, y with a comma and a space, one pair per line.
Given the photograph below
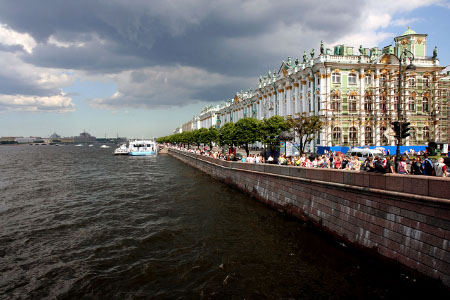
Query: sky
140, 68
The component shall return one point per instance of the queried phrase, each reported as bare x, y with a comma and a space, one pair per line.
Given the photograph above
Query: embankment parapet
405, 218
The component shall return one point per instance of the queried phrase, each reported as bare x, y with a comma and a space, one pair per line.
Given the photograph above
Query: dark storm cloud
193, 33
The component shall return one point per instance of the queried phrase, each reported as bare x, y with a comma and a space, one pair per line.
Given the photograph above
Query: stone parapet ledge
426, 188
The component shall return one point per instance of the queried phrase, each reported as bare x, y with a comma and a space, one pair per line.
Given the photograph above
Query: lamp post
405, 54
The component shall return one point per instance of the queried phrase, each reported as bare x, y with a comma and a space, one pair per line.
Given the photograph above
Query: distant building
55, 136
85, 137
7, 140
67, 140
25, 140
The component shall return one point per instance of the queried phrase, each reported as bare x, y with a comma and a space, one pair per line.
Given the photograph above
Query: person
416, 166
388, 152
427, 166
388, 168
379, 168
441, 168
338, 163
270, 159
402, 166
368, 165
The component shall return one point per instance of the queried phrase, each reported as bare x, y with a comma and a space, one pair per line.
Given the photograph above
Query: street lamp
410, 68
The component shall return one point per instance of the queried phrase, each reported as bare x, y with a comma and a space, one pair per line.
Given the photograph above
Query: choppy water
80, 223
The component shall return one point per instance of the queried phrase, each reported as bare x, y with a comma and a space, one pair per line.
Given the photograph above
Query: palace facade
355, 94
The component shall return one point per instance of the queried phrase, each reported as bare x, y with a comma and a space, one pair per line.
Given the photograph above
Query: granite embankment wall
405, 218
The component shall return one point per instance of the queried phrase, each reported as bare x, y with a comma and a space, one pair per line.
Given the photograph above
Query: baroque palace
355, 94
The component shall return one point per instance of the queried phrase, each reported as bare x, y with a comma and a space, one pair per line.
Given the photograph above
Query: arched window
368, 134
384, 139
336, 103
336, 77
368, 79
426, 82
426, 133
336, 135
352, 103
383, 103
411, 82
352, 78
383, 80
425, 104
368, 104
413, 134
353, 134
395, 103
412, 104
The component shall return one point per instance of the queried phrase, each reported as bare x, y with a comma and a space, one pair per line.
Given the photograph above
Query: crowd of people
376, 164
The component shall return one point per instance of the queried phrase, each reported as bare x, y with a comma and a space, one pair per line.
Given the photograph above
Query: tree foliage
247, 131
271, 129
227, 135
305, 128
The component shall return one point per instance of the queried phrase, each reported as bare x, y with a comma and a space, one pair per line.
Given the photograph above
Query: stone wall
405, 218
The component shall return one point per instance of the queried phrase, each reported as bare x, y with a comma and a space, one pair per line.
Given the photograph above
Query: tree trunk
246, 149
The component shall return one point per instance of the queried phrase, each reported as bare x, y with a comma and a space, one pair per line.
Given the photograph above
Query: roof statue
322, 49
269, 75
409, 31
361, 50
274, 74
260, 79
289, 62
312, 53
297, 62
304, 56
435, 52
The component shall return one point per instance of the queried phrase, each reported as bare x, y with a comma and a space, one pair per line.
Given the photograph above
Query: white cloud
58, 103
54, 41
10, 37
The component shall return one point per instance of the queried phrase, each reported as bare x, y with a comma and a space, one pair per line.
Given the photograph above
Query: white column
288, 92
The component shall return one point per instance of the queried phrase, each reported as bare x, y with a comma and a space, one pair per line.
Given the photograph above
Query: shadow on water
80, 223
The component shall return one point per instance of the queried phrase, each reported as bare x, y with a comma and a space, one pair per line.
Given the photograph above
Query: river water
80, 223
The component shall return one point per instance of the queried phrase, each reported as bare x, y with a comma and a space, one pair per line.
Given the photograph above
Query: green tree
305, 128
211, 136
227, 135
200, 136
271, 129
247, 131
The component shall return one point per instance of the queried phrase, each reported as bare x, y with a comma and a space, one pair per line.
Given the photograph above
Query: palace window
395, 79
426, 82
336, 135
368, 134
383, 104
352, 79
413, 134
395, 103
352, 103
336, 103
426, 133
384, 139
411, 82
368, 104
412, 104
383, 80
336, 78
425, 104
353, 134
368, 79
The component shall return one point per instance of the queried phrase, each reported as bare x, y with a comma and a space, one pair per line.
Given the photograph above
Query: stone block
377, 181
439, 187
416, 185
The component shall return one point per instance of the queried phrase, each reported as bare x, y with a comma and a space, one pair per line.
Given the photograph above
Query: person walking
441, 168
416, 166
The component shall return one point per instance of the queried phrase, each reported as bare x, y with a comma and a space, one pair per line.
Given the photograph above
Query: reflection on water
79, 222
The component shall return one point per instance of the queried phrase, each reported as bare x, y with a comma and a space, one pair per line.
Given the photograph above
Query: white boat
91, 145
122, 150
79, 145
142, 148
105, 147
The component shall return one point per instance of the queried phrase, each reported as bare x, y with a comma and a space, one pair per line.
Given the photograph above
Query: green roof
409, 31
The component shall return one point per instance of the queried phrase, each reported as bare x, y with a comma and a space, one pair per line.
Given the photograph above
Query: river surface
80, 223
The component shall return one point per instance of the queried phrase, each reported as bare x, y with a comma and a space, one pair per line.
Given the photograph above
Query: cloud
165, 53
58, 103
165, 87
